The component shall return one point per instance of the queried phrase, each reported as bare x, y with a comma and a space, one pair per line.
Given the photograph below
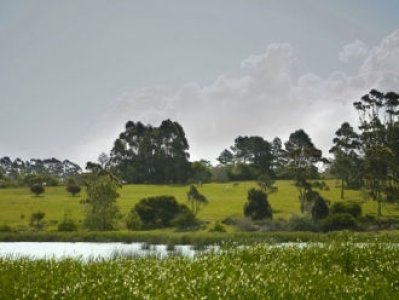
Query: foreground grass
225, 200
334, 271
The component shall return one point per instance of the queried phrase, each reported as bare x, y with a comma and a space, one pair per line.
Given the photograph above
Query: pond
87, 251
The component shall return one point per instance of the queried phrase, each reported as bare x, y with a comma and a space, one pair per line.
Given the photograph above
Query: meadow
225, 200
335, 270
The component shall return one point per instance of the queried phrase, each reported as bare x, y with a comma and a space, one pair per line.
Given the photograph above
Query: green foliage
101, 211
351, 208
217, 228
159, 211
5, 228
320, 207
196, 199
36, 219
186, 220
73, 188
201, 171
67, 224
146, 154
267, 184
133, 221
302, 223
37, 189
257, 207
339, 221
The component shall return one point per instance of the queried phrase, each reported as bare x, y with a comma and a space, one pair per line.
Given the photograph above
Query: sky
72, 73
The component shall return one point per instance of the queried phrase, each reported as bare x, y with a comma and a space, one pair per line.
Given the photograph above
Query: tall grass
336, 270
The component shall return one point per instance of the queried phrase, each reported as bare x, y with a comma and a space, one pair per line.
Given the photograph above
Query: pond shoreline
195, 238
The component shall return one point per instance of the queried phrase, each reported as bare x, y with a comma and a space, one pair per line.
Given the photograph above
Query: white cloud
267, 100
354, 50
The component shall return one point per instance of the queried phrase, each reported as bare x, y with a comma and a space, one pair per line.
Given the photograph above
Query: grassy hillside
225, 200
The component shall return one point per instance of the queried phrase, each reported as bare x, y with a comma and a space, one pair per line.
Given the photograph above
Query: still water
87, 251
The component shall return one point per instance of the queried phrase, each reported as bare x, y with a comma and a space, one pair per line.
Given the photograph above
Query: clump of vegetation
339, 221
217, 228
161, 211
196, 199
36, 219
37, 189
73, 188
353, 209
101, 211
67, 224
133, 221
257, 207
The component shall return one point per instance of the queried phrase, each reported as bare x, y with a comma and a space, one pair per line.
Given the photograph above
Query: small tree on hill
101, 210
196, 199
257, 207
36, 219
73, 189
37, 189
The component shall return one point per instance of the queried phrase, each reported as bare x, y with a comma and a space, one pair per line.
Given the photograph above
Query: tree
146, 154
302, 157
73, 189
226, 157
37, 189
347, 162
257, 207
266, 184
201, 171
250, 156
379, 125
196, 199
101, 211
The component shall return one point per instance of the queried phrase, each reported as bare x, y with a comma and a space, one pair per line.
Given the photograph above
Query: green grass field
225, 200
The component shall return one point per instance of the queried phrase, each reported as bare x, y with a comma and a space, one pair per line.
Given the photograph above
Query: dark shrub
73, 189
67, 225
186, 220
158, 212
36, 219
217, 228
339, 221
257, 207
37, 189
301, 223
320, 208
229, 221
133, 221
353, 209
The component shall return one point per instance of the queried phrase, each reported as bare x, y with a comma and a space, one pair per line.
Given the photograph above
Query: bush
73, 189
353, 209
302, 223
257, 207
158, 212
339, 221
229, 221
320, 208
37, 189
67, 225
133, 221
186, 220
36, 219
217, 228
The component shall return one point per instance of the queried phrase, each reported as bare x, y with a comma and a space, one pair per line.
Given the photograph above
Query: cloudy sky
73, 72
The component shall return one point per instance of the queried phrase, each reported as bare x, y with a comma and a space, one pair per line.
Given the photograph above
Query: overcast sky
73, 72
